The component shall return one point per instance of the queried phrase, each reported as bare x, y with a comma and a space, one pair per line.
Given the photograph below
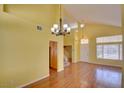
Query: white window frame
119, 43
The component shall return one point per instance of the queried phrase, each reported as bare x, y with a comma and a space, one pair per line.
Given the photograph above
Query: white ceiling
103, 13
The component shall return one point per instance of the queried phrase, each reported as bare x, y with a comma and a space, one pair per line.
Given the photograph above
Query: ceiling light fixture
60, 29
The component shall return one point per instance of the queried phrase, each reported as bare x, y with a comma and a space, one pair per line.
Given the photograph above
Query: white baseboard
60, 70
21, 86
101, 63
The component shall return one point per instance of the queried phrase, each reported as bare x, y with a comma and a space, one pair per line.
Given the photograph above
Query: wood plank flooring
82, 75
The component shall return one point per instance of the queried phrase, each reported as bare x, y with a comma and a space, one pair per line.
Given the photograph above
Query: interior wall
68, 52
76, 46
24, 52
1, 7
96, 30
78, 37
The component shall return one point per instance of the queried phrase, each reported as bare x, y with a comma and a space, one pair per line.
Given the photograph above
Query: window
108, 39
99, 51
109, 47
112, 51
84, 41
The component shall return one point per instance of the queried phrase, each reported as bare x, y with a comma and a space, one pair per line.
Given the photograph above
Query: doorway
84, 54
53, 56
67, 55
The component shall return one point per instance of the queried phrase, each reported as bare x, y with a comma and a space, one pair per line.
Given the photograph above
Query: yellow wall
24, 52
1, 7
76, 46
96, 30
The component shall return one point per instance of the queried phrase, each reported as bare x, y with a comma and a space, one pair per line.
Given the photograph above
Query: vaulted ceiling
103, 13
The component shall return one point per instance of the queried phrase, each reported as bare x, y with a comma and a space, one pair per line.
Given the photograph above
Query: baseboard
60, 70
103, 64
21, 86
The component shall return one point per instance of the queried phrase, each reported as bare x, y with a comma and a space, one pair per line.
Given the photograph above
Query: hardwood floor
82, 75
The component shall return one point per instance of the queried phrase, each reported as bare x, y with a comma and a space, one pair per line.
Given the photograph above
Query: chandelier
60, 29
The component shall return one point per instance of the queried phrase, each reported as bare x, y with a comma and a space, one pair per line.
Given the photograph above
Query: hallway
82, 75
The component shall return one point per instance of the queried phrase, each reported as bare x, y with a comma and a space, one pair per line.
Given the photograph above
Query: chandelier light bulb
52, 29
57, 30
55, 26
65, 25
68, 29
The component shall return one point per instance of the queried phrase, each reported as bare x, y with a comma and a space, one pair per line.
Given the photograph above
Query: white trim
102, 63
21, 86
60, 70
